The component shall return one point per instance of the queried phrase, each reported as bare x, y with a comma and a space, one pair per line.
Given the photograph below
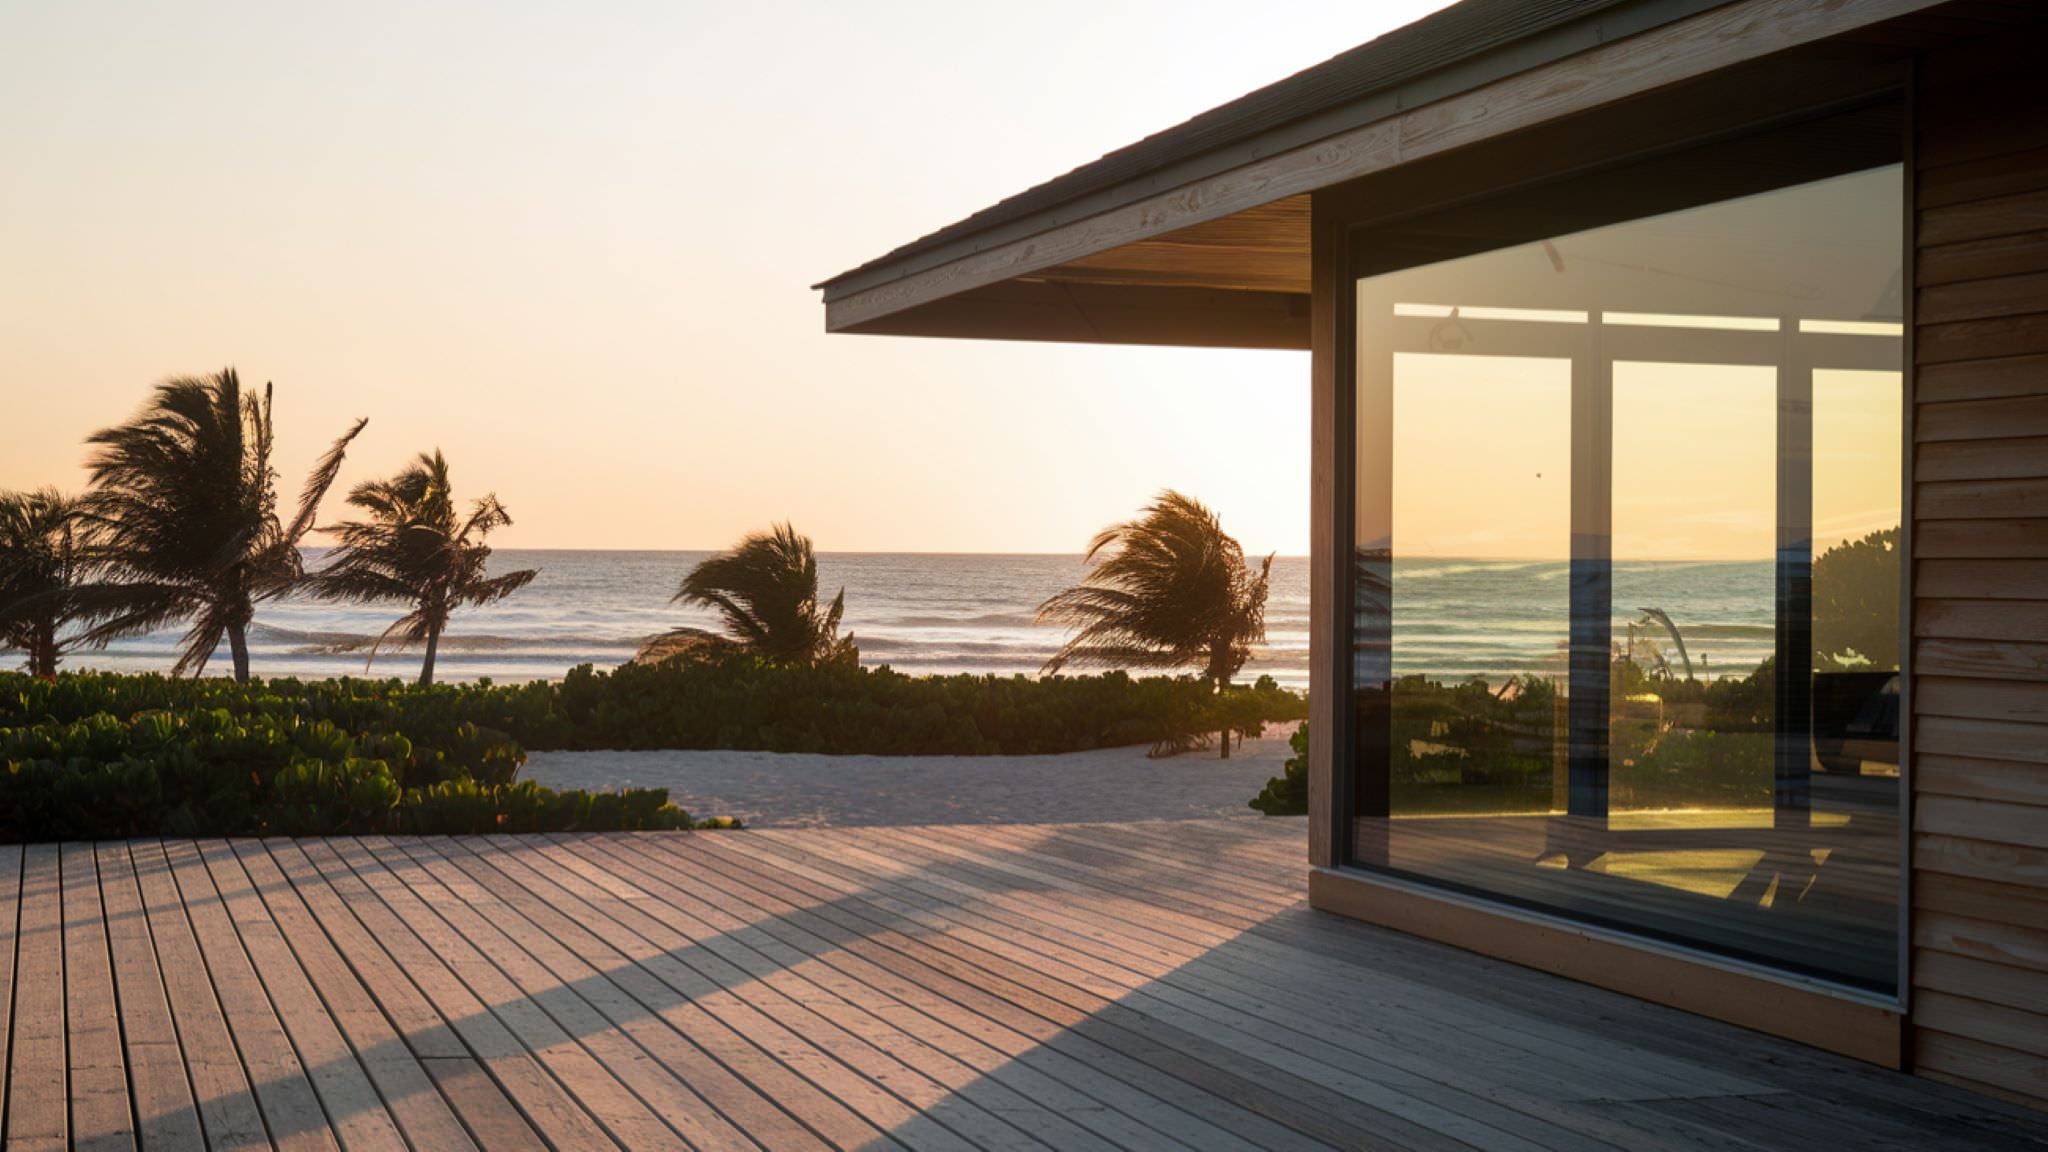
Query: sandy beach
788, 790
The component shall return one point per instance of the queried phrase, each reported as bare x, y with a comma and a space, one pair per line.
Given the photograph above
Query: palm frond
1169, 589
319, 481
765, 589
408, 548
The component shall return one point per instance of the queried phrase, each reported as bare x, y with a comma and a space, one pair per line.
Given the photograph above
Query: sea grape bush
736, 702
1287, 793
96, 755
217, 772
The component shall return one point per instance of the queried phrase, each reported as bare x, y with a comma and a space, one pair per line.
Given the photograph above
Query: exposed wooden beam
1110, 314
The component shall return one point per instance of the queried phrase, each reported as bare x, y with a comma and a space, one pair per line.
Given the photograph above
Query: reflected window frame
1868, 139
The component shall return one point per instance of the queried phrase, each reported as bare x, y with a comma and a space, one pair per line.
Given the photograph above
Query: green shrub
735, 702
250, 767
93, 755
1287, 793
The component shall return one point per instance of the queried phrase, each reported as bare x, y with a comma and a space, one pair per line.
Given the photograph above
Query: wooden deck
1133, 986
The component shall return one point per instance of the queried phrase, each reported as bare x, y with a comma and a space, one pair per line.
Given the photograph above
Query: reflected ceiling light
1853, 327
1675, 320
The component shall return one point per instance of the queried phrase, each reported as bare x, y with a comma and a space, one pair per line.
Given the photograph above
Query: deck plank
37, 1113
536, 1015
972, 1049
351, 1101
10, 923
782, 1064
166, 1115
530, 1086
408, 1093
957, 988
1245, 1016
292, 1113
700, 1057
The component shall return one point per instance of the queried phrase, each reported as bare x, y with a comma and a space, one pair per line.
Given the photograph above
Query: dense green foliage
737, 701
1471, 747
1287, 793
838, 708
1856, 603
97, 756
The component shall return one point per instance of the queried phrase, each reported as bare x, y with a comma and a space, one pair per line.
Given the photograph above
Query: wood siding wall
1980, 582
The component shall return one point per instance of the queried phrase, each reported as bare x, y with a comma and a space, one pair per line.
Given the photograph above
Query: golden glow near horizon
1482, 421
572, 245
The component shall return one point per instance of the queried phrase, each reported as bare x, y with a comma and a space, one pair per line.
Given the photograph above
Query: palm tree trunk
42, 656
238, 647
1222, 685
433, 646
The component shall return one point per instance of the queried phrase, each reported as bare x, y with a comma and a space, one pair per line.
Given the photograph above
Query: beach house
1679, 476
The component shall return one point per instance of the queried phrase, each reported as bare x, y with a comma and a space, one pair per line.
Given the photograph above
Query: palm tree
183, 506
766, 590
44, 563
414, 548
1168, 590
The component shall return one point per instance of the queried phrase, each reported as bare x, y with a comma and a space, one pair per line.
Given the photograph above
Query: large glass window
1626, 626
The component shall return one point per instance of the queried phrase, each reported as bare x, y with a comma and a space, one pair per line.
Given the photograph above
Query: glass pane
1626, 611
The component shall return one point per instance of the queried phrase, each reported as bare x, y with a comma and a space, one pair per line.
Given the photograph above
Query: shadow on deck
1097, 986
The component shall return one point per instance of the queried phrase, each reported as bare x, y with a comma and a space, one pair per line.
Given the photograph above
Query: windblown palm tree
44, 570
766, 590
1168, 590
415, 548
183, 507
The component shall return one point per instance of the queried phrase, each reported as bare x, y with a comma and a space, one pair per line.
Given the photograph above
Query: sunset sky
571, 245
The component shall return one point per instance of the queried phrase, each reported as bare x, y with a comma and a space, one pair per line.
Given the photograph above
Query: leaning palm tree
416, 548
45, 569
1170, 589
766, 591
183, 507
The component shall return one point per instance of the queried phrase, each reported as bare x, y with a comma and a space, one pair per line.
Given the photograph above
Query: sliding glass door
1627, 509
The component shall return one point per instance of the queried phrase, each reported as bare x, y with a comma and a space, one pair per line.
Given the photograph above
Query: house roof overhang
1200, 235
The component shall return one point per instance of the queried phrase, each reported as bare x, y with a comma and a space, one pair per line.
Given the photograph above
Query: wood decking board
961, 988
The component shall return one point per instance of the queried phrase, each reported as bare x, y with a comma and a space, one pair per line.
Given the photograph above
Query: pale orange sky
570, 244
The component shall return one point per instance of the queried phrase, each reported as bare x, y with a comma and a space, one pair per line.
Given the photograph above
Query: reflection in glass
1626, 612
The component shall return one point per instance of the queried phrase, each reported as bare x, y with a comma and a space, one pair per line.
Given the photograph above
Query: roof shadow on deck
1261, 1023
1078, 986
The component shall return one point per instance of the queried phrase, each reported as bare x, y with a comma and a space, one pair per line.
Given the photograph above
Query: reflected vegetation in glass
1626, 605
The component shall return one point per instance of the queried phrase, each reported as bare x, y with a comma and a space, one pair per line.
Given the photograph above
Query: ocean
1455, 619
916, 613
928, 613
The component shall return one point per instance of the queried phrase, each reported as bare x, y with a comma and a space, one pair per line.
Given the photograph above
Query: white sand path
787, 789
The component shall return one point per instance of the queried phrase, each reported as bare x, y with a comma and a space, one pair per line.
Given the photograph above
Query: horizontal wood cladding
2001, 780
1980, 980
1999, 458
2008, 660
1980, 551
1982, 859
1985, 1067
1982, 579
1982, 539
1986, 379
1960, 619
